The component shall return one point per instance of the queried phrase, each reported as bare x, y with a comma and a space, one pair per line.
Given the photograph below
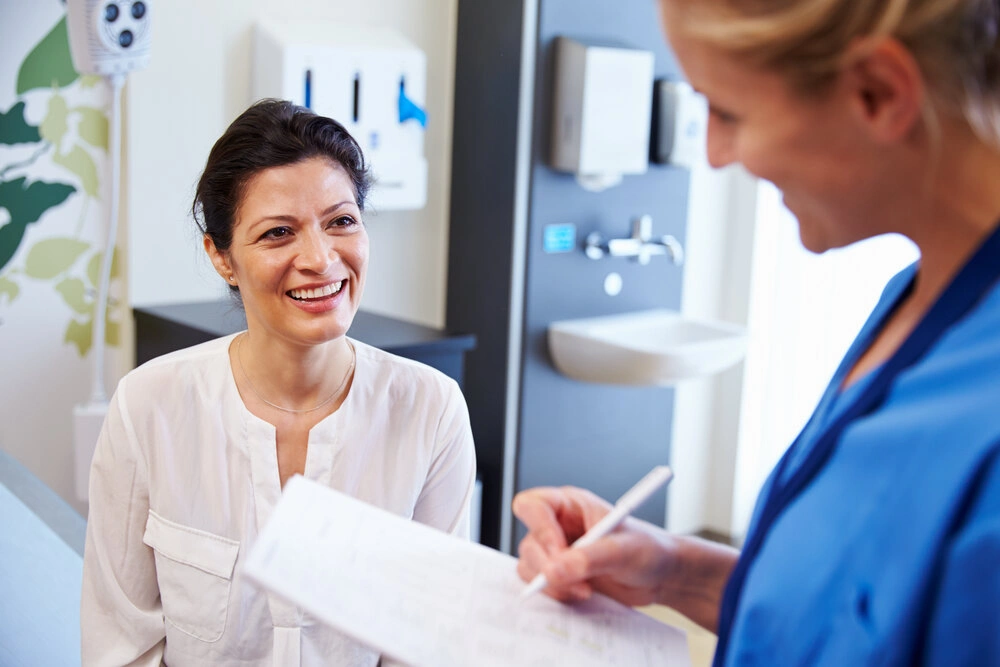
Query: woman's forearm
696, 585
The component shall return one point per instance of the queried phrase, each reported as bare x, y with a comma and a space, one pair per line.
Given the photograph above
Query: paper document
430, 599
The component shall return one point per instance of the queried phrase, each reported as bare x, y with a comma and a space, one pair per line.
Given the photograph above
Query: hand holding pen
554, 515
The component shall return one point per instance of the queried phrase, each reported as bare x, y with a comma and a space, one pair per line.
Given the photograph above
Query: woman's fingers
532, 558
555, 518
628, 565
539, 510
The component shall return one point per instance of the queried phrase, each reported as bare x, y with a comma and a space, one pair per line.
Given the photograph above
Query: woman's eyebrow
291, 218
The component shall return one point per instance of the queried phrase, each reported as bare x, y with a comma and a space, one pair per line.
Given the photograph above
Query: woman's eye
343, 222
722, 116
277, 233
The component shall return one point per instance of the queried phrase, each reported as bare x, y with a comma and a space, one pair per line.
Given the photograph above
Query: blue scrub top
891, 555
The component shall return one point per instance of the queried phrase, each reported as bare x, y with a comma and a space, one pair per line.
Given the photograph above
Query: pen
628, 503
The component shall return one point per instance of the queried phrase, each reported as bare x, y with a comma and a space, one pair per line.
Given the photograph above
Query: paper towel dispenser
680, 124
602, 110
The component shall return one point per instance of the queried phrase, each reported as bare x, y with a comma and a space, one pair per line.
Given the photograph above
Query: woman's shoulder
394, 373
178, 368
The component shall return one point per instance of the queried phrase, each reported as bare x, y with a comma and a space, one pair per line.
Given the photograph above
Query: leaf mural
94, 267
112, 333
93, 126
55, 125
25, 206
49, 63
80, 334
74, 293
14, 129
80, 163
50, 257
9, 289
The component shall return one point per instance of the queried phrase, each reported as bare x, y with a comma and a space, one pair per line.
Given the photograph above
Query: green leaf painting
94, 267
80, 163
73, 134
93, 126
9, 289
49, 63
15, 130
74, 293
25, 206
55, 125
51, 257
80, 334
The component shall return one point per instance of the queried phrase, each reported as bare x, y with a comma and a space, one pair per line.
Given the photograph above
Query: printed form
429, 599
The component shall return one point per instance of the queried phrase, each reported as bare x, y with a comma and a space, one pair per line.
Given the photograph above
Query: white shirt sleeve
121, 618
444, 501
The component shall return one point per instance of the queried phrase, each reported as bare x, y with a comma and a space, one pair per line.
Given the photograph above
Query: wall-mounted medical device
601, 114
370, 79
108, 37
680, 124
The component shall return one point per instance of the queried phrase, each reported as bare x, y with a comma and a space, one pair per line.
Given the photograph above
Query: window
805, 311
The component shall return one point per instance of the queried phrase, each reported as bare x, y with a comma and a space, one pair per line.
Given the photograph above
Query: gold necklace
239, 360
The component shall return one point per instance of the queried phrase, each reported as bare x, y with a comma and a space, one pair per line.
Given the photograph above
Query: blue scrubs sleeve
965, 627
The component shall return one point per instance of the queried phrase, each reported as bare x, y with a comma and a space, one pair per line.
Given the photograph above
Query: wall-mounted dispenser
602, 109
372, 80
680, 123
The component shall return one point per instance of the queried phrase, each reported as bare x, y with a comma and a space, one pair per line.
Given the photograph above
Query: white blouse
184, 478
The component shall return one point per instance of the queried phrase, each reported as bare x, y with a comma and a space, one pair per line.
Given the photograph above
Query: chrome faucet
641, 245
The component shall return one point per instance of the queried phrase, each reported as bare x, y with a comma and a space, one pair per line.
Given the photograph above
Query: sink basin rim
617, 360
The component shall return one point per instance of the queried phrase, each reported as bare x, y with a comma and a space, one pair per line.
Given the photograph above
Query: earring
232, 278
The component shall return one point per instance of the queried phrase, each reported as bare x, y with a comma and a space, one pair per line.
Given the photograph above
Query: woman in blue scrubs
876, 540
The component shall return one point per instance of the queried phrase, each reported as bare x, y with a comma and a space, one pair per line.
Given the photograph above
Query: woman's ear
886, 87
220, 260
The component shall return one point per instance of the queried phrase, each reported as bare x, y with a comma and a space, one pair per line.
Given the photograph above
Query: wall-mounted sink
649, 347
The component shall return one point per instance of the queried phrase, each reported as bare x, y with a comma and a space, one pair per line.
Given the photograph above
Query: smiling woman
199, 443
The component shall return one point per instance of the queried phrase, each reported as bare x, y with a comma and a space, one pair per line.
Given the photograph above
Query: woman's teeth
318, 293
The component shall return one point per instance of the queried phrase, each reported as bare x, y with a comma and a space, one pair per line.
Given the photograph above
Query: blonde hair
955, 43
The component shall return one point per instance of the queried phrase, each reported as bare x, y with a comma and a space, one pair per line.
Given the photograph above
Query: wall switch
559, 238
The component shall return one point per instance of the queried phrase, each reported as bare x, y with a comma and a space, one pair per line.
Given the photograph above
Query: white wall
720, 233
199, 80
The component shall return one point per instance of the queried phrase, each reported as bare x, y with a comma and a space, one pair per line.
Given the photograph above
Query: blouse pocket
194, 569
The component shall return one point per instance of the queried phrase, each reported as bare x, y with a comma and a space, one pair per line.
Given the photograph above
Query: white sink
649, 347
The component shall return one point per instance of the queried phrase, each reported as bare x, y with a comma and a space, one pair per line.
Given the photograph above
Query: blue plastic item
408, 109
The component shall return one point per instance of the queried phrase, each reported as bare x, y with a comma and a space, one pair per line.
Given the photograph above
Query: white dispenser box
370, 79
602, 111
680, 125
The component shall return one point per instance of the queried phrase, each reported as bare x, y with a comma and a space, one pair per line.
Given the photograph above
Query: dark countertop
220, 318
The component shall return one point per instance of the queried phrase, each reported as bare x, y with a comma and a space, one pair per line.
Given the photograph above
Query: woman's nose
317, 251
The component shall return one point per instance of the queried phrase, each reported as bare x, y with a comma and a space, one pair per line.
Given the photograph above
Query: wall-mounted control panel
108, 36
370, 79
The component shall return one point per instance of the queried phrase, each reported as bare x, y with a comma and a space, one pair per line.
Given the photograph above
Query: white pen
628, 503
